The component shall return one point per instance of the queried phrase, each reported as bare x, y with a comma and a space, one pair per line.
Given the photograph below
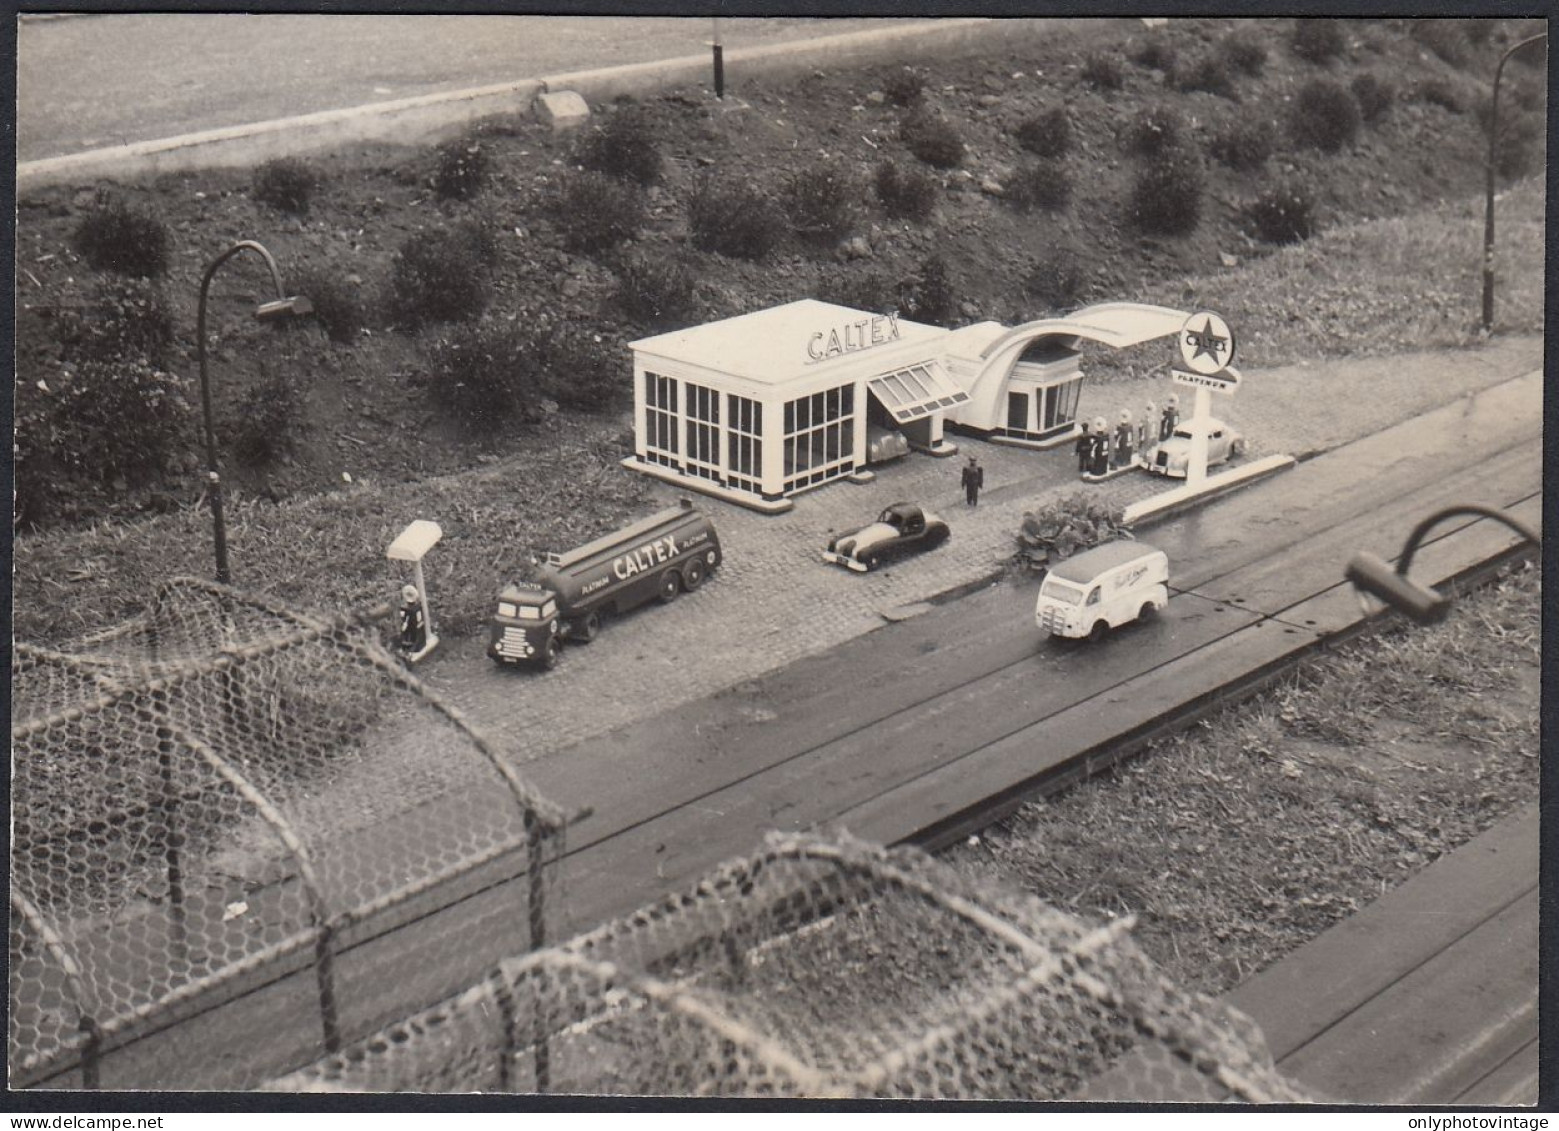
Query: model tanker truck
564, 596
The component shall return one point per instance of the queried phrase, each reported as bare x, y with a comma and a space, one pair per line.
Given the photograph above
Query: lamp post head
278, 309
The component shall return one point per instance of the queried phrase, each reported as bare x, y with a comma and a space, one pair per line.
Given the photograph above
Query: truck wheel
872, 561
549, 653
670, 586
1099, 630
1147, 611
587, 627
693, 574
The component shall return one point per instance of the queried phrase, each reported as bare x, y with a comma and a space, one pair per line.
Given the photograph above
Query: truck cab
525, 627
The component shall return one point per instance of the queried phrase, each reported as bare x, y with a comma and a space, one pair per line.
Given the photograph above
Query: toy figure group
1099, 450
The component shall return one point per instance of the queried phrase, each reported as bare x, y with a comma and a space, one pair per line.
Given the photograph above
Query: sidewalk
1427, 996
774, 601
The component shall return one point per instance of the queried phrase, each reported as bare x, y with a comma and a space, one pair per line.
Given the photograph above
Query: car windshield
1061, 591
1182, 434
891, 517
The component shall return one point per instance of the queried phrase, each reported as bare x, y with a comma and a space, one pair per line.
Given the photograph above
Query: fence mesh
238, 834
822, 968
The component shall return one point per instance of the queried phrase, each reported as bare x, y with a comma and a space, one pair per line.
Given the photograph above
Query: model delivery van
1090, 593
564, 596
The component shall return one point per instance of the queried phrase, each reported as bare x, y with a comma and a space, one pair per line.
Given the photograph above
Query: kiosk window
660, 417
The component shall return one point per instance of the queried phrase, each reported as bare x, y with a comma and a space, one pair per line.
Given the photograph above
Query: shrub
870, 290
734, 217
1166, 194
1318, 40
337, 306
1040, 184
931, 298
1325, 116
1445, 38
1518, 145
1102, 71
1046, 134
479, 375
270, 415
1373, 95
1246, 50
1154, 130
581, 369
594, 211
1244, 145
656, 289
1157, 54
462, 169
1058, 280
932, 139
285, 184
1284, 213
115, 237
906, 194
441, 275
116, 420
125, 320
623, 147
1210, 73
823, 203
1477, 31
904, 87
1438, 92
1067, 525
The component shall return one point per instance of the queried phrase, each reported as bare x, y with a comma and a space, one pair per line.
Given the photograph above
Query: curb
435, 117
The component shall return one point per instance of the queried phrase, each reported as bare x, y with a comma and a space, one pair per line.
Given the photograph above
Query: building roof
775, 345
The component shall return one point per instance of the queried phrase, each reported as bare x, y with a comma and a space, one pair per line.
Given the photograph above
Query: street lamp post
1488, 209
282, 307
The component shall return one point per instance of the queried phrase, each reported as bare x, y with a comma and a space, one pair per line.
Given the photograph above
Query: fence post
170, 796
538, 933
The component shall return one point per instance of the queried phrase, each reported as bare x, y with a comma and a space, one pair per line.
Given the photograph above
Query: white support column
1196, 465
773, 447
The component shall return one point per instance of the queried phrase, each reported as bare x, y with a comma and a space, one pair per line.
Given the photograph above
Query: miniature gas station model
415, 635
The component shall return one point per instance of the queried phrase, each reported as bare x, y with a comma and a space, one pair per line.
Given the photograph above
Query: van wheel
549, 653
670, 586
872, 561
587, 627
693, 574
1147, 611
1099, 630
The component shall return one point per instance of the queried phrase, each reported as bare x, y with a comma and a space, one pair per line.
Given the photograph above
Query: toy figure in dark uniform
1099, 451
1084, 446
1166, 427
413, 625
973, 479
1124, 434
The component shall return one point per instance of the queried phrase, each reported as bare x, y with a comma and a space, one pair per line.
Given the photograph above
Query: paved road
104, 80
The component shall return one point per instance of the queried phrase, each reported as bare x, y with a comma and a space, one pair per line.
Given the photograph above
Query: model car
902, 528
883, 444
1171, 456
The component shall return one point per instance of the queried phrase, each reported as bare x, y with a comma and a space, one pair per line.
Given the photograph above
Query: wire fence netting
824, 968
242, 836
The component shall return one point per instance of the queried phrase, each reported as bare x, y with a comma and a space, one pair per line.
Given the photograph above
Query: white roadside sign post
1207, 349
410, 546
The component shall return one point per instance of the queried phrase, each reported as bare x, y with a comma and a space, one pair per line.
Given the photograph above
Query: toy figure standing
1124, 434
1146, 427
1099, 449
973, 480
1084, 446
1166, 427
413, 625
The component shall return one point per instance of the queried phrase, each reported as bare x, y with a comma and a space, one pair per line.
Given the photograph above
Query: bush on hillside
1324, 116
593, 212
1040, 184
656, 289
581, 368
1244, 145
930, 296
1445, 38
270, 415
116, 237
1058, 280
1209, 73
1157, 54
823, 202
1155, 129
461, 169
1102, 71
870, 290
1284, 213
1374, 96
125, 319
441, 275
285, 184
108, 421
904, 87
624, 146
478, 375
933, 139
734, 217
1246, 49
1166, 194
906, 193
1438, 92
337, 307
1318, 40
1046, 134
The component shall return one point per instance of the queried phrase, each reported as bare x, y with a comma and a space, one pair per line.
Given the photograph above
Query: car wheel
549, 653
670, 586
1147, 611
1099, 630
872, 561
693, 574
587, 627
1237, 448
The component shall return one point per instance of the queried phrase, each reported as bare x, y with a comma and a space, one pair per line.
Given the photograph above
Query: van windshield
1061, 591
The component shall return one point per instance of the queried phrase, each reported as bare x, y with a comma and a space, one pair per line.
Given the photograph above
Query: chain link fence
242, 836
822, 968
